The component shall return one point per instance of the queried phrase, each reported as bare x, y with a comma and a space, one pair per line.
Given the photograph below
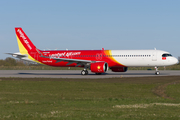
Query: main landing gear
84, 72
157, 72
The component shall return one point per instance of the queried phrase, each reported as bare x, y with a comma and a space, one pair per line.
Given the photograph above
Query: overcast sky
92, 24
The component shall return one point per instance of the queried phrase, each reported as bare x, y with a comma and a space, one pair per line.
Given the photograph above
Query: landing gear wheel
84, 72
157, 72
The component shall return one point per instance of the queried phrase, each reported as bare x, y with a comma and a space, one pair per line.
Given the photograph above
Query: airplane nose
176, 60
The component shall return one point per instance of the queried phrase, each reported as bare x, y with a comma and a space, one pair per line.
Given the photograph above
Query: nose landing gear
157, 72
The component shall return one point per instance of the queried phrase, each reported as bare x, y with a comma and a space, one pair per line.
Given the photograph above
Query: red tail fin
24, 41
26, 47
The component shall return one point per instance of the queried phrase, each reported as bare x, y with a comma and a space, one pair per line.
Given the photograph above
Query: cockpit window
166, 55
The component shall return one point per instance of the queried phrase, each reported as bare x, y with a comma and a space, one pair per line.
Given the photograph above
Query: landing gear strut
157, 72
84, 72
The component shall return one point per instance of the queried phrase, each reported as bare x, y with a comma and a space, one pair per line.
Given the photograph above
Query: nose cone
175, 60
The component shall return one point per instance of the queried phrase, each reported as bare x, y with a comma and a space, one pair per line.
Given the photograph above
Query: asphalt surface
77, 73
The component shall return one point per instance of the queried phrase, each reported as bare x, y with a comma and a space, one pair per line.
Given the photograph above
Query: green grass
98, 99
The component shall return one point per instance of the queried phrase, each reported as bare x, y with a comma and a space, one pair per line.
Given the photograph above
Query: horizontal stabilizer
17, 55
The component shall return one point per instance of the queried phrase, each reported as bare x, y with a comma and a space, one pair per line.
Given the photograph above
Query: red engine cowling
119, 69
99, 67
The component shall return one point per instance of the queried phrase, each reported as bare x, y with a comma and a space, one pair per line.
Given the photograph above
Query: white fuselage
133, 58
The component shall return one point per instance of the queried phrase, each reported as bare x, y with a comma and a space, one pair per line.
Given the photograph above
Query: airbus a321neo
98, 61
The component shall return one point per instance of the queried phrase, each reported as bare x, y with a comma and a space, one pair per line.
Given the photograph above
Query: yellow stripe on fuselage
112, 58
109, 52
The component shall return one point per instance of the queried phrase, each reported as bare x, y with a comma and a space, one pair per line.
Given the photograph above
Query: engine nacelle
119, 69
99, 67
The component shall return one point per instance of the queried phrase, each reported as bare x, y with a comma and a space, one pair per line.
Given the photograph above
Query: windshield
166, 55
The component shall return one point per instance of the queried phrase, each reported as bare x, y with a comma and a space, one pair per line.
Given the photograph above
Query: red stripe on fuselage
92, 55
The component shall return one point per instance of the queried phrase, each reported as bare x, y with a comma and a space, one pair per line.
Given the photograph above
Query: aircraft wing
70, 61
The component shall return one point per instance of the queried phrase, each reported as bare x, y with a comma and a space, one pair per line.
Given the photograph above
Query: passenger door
154, 56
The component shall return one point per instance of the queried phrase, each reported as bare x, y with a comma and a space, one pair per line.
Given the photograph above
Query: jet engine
99, 67
119, 69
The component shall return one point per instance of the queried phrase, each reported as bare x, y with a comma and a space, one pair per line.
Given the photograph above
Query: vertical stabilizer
24, 43
26, 47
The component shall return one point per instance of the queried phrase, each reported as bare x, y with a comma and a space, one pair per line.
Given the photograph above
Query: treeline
11, 62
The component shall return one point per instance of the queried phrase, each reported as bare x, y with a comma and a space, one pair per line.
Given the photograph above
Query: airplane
98, 61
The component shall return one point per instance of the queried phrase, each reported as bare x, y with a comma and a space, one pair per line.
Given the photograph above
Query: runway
77, 74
